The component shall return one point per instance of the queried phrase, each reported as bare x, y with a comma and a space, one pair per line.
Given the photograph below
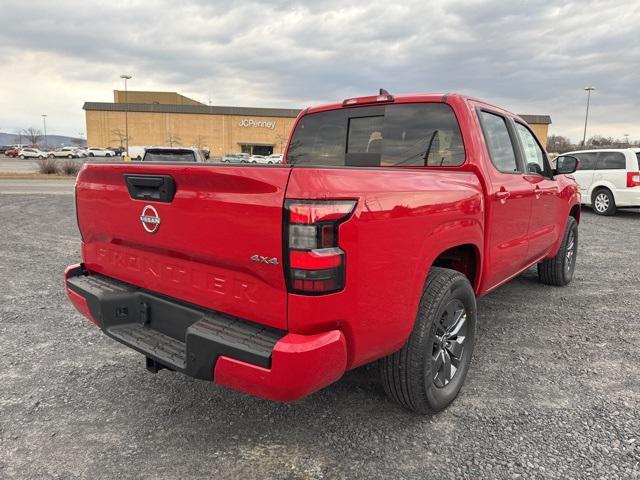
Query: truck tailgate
217, 243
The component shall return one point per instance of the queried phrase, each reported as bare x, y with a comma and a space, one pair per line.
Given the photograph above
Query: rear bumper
205, 344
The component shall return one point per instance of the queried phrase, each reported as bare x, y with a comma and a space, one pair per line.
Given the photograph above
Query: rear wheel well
463, 258
597, 189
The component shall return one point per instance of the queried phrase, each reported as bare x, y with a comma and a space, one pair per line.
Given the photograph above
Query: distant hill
53, 140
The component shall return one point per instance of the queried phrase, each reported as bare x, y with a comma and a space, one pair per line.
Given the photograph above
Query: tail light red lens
633, 179
316, 264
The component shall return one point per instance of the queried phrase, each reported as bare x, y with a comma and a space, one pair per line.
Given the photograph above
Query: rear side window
611, 161
498, 142
415, 134
587, 160
638, 158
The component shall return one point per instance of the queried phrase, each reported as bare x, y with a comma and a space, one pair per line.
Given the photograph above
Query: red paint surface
404, 218
300, 365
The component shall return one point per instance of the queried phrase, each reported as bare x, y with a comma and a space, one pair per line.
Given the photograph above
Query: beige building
168, 118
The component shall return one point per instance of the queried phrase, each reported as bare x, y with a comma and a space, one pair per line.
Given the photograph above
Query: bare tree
34, 135
282, 141
558, 144
120, 137
199, 141
173, 140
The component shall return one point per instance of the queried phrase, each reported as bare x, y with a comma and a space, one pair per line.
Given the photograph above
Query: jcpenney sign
245, 122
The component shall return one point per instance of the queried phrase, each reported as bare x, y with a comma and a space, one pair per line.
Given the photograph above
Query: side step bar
174, 334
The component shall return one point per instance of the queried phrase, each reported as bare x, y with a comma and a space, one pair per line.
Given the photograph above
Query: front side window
415, 134
533, 155
496, 136
611, 161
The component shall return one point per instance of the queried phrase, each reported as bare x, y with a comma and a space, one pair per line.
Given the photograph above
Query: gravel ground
553, 390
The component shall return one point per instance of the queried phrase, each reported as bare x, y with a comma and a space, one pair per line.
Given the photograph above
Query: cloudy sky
531, 57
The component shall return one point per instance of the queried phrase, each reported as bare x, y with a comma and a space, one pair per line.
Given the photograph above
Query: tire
91, 155
21, 157
603, 202
51, 156
559, 270
69, 156
411, 376
107, 154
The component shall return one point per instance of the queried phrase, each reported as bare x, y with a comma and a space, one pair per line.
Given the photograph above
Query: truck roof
411, 98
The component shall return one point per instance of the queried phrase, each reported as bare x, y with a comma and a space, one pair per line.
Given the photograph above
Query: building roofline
537, 119
241, 111
193, 109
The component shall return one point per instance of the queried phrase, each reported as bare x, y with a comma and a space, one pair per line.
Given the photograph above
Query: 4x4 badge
267, 260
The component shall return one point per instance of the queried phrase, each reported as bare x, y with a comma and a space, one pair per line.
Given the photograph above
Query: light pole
44, 121
126, 77
586, 117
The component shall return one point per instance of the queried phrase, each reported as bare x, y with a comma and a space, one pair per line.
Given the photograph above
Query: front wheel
69, 156
559, 270
603, 202
51, 156
107, 155
21, 157
426, 374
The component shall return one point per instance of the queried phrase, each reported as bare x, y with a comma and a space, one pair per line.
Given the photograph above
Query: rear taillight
633, 179
315, 262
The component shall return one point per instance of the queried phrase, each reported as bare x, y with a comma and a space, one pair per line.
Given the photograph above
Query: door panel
543, 228
509, 198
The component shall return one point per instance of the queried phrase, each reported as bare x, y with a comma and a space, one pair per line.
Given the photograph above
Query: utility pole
126, 77
44, 121
586, 117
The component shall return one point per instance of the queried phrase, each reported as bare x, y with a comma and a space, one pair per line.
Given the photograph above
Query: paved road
15, 165
553, 390
54, 186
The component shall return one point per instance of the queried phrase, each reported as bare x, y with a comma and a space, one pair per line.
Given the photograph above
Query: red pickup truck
388, 218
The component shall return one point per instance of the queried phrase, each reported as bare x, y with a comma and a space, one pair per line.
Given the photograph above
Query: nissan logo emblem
150, 219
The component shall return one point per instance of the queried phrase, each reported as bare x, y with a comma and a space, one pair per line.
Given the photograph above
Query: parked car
32, 153
277, 281
82, 152
69, 152
100, 152
5, 148
608, 178
136, 152
172, 154
12, 152
274, 158
236, 158
258, 159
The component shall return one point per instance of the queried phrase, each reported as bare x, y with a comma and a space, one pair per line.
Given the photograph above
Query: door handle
538, 192
502, 195
159, 188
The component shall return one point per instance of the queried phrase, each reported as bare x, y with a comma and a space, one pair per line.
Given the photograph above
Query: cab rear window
412, 134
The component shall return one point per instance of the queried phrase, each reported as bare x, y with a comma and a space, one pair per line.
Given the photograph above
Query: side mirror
566, 164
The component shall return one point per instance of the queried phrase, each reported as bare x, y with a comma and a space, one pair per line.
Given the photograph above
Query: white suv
32, 153
100, 152
608, 178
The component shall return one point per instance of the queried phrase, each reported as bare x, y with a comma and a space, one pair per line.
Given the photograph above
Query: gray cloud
531, 56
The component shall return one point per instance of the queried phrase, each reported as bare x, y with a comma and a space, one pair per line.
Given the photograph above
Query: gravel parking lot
553, 391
